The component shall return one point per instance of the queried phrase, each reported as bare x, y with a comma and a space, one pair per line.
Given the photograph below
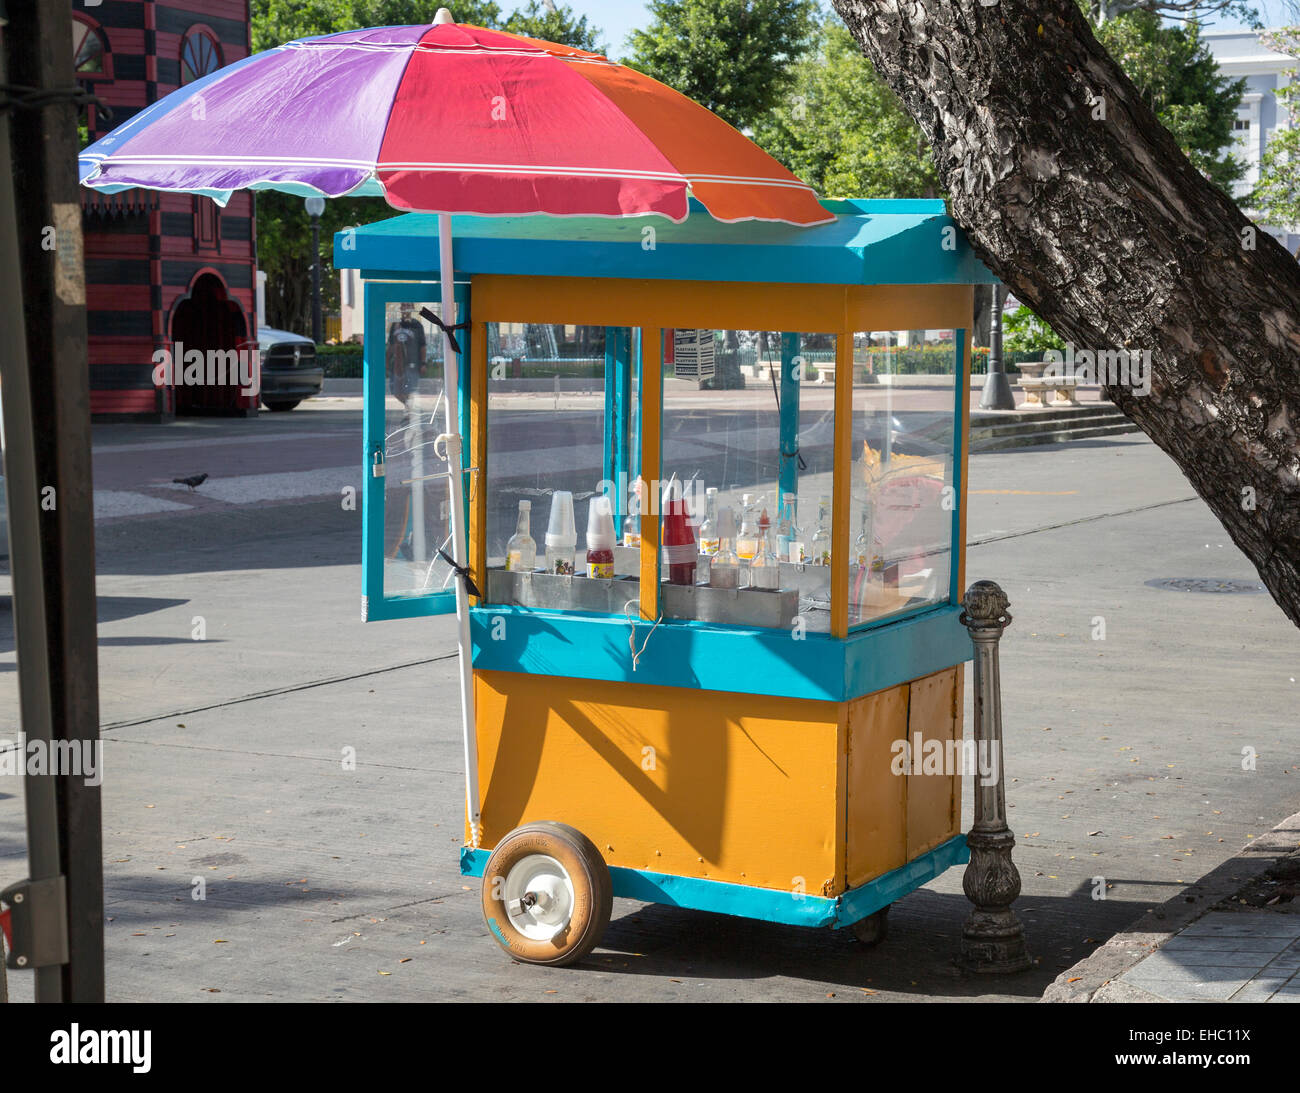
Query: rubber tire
279, 406
873, 929
593, 893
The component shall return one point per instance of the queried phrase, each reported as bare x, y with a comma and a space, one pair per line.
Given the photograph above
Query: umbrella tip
443, 16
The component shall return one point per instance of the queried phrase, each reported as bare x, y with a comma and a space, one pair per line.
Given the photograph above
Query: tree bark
1077, 198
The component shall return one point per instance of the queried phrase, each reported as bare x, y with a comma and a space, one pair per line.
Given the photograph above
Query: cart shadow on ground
917, 958
108, 609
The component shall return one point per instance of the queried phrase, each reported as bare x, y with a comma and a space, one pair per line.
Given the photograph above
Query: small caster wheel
873, 929
547, 894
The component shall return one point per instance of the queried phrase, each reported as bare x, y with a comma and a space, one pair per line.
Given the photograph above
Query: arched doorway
207, 319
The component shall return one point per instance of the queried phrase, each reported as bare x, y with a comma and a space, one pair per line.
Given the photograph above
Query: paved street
1124, 755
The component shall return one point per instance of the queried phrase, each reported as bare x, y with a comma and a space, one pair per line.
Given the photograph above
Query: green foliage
732, 56
841, 129
275, 22
1277, 195
1177, 76
559, 25
341, 361
1025, 332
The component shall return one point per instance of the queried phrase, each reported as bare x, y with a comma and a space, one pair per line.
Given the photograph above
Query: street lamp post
315, 206
992, 939
997, 388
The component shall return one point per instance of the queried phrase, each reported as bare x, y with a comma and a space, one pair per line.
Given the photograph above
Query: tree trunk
1079, 200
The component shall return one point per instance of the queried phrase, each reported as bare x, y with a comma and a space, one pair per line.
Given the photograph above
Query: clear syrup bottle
765, 569
724, 565
632, 525
864, 552
521, 551
709, 529
820, 547
789, 540
747, 540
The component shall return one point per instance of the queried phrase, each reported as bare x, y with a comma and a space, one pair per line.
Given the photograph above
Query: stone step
1042, 423
1052, 434
1058, 413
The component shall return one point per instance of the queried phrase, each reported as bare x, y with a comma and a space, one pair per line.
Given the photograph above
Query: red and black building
161, 268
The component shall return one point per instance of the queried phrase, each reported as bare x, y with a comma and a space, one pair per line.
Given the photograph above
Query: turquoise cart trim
376, 605
769, 904
869, 243
696, 655
618, 417
961, 374
788, 472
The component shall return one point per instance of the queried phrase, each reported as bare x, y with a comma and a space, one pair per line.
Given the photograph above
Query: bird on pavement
192, 480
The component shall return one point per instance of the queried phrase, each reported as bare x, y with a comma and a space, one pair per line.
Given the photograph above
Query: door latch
38, 922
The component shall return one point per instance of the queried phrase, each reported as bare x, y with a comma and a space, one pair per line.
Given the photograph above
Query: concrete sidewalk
1232, 937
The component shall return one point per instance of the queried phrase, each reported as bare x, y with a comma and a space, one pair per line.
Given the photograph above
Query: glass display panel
745, 493
902, 492
417, 494
561, 433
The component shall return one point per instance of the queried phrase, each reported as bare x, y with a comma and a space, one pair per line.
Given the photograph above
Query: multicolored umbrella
449, 118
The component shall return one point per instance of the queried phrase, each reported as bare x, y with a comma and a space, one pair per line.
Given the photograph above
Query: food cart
718, 698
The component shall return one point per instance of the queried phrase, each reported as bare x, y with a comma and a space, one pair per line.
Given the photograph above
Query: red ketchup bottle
680, 551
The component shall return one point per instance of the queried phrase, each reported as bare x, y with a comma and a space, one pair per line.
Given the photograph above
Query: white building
1241, 54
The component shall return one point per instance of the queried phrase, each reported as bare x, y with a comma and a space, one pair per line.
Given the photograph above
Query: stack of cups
561, 535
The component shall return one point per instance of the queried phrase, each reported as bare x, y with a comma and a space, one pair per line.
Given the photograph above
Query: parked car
289, 369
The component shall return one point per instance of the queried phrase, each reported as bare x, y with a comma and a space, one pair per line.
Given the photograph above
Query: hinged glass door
406, 541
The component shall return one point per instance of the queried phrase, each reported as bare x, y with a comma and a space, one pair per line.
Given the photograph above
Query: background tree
275, 22
1102, 11
1180, 81
733, 56
1105, 229
283, 227
1025, 332
553, 24
842, 130
1277, 195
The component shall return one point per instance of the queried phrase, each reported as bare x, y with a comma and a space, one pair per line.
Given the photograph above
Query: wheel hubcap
538, 897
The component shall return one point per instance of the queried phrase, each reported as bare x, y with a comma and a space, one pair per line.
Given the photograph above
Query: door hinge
38, 922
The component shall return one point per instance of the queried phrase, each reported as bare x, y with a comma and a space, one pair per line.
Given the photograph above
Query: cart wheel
873, 929
547, 895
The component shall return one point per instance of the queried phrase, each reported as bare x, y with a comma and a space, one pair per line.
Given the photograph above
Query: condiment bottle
600, 538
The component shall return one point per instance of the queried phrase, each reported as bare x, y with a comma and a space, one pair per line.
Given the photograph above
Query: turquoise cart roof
870, 243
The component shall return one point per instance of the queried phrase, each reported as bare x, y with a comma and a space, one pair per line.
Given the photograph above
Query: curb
1094, 975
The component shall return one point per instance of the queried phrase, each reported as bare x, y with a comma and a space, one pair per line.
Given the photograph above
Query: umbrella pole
451, 444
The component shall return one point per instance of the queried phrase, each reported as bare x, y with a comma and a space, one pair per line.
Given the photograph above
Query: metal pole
997, 388
317, 331
452, 446
47, 423
992, 940
23, 497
